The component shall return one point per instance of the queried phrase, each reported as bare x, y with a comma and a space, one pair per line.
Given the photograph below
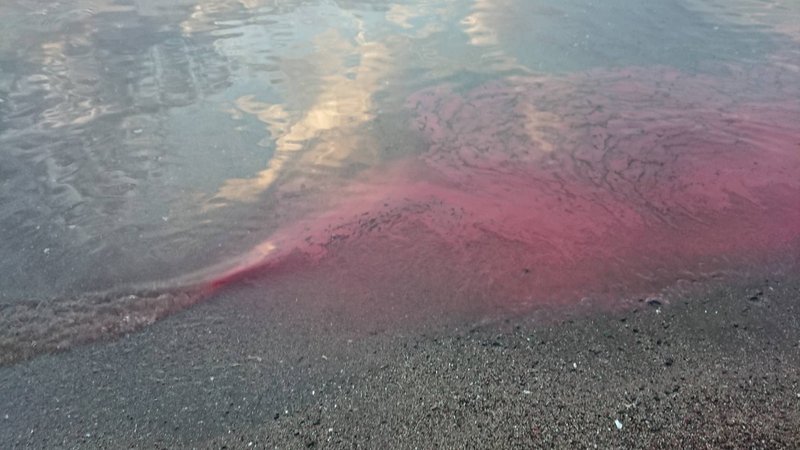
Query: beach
721, 369
425, 224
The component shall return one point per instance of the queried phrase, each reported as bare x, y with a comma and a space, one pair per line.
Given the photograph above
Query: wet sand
714, 369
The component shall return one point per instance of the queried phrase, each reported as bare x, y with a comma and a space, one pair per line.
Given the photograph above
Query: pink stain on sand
538, 190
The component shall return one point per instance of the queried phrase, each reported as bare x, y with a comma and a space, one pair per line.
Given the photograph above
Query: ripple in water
507, 191
534, 191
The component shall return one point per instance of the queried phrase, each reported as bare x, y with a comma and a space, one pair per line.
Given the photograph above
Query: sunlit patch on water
445, 159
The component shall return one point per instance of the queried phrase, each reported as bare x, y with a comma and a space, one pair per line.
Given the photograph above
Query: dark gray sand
713, 370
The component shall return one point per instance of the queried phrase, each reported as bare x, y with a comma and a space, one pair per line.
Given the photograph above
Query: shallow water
481, 157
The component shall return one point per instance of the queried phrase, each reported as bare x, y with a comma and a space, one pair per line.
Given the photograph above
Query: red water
539, 190
532, 193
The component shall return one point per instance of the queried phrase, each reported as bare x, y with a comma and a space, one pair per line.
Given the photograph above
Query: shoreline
722, 368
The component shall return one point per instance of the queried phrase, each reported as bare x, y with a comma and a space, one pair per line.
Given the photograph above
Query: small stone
618, 424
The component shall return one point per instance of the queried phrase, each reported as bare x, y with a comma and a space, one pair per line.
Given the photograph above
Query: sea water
479, 157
